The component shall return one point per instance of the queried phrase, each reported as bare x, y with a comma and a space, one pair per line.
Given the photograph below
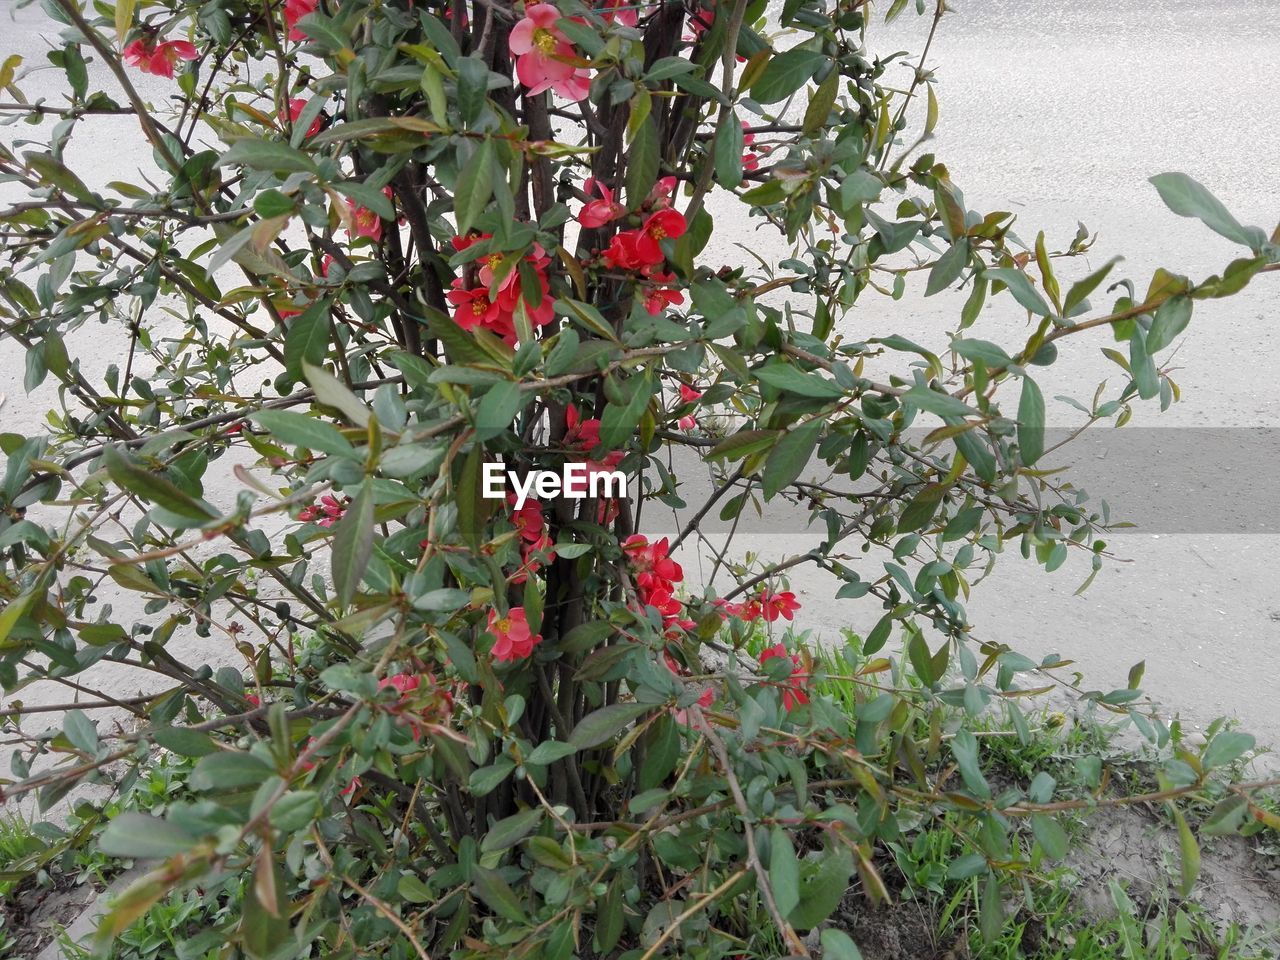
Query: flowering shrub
386, 243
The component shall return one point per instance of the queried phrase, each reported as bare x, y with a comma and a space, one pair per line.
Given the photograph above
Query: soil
34, 914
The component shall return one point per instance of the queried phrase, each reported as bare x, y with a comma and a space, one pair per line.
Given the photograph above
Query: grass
1050, 922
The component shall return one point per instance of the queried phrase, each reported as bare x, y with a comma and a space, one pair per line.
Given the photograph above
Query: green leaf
586, 636
1189, 198
1030, 422
271, 155
820, 104
486, 779
473, 87
497, 893
264, 927
368, 196
299, 430
295, 810
989, 353
184, 742
143, 837
600, 725
413, 890
475, 186
1190, 851
789, 378
1226, 816
619, 421
332, 392
785, 73
1227, 747
1082, 288
307, 339
228, 770
81, 732
353, 545
948, 268
1050, 835
823, 884
1021, 288
642, 163
742, 444
917, 514
836, 944
789, 457
498, 408
784, 871
964, 747
509, 831
124, 18
135, 478
273, 203
549, 751
729, 144
934, 401
1171, 319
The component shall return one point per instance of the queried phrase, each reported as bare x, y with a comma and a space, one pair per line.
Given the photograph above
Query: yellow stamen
544, 40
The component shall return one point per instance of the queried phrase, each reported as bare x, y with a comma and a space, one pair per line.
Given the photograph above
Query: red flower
660, 195
660, 226
748, 610
544, 55
658, 296
473, 307
688, 394
705, 699
160, 59
296, 106
402, 682
596, 213
793, 692
528, 519
513, 639
295, 10
618, 11
621, 253
326, 514
656, 574
775, 605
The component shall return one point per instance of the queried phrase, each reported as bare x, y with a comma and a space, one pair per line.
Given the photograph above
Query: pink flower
688, 394
775, 605
295, 10
544, 55
296, 106
368, 224
160, 59
512, 638
596, 213
793, 692
687, 422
